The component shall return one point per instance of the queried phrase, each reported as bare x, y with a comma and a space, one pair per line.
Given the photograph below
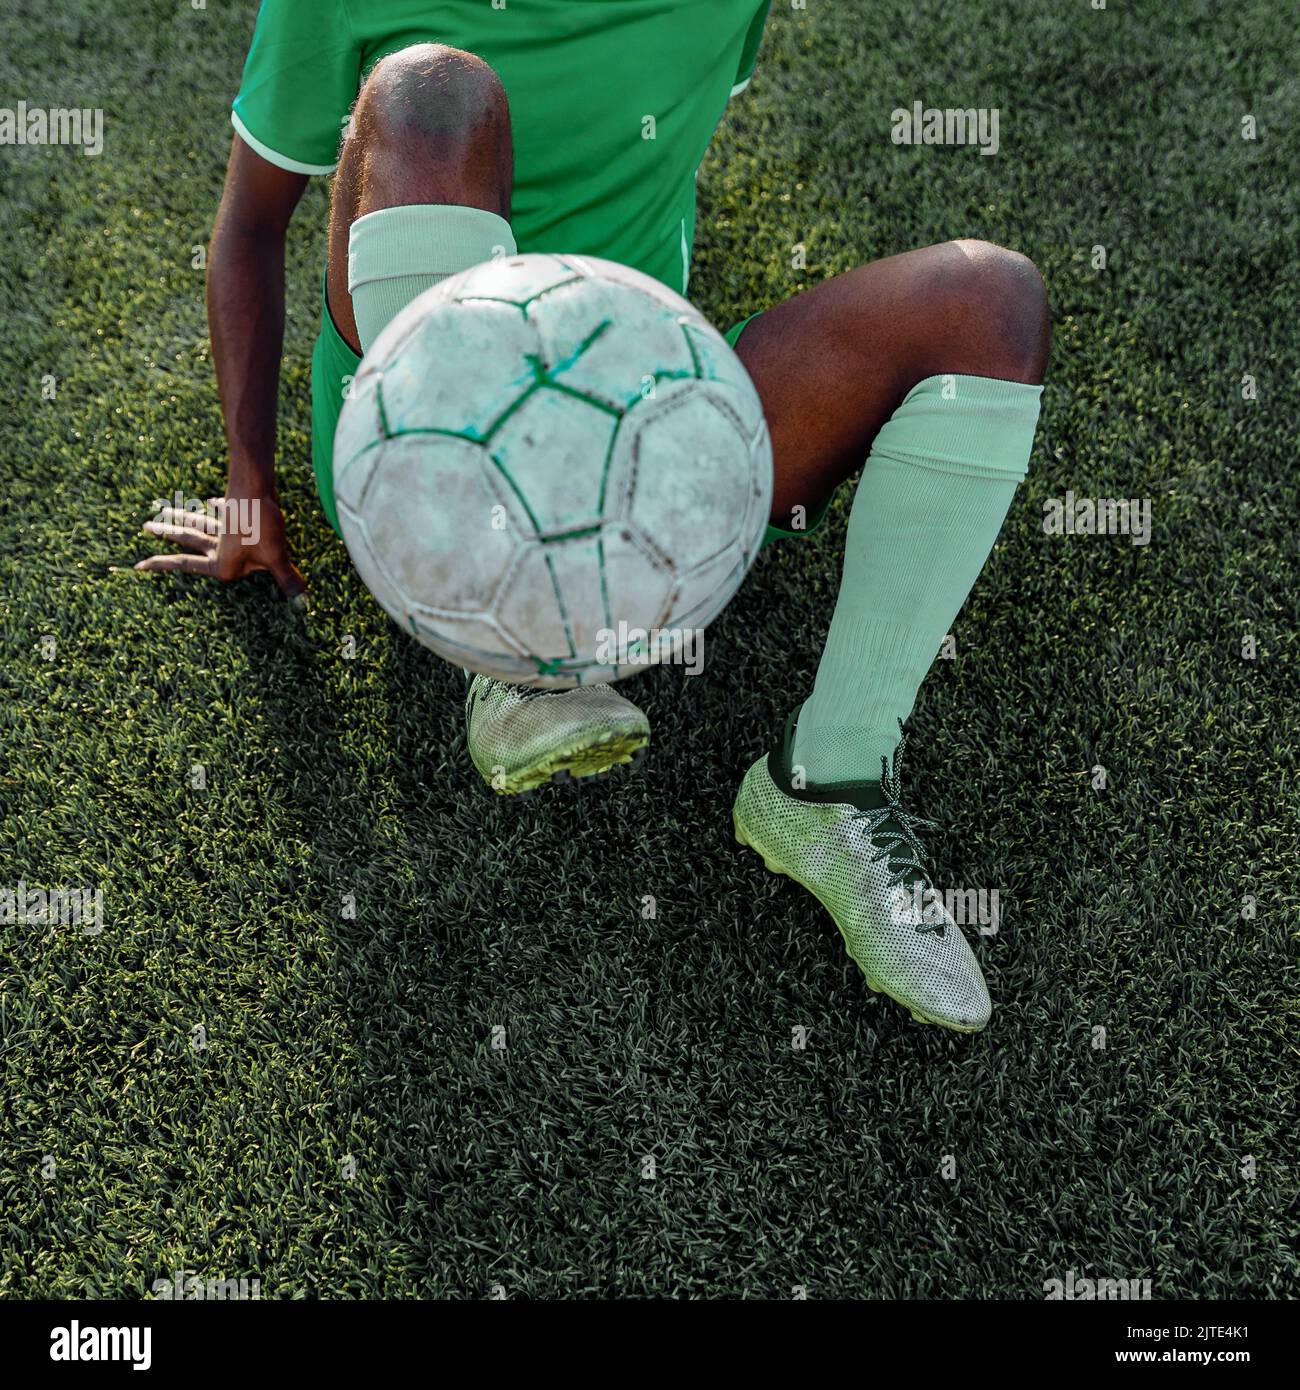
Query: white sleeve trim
282, 161
740, 86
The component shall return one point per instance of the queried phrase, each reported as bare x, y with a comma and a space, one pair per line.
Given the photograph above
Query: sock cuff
423, 239
964, 424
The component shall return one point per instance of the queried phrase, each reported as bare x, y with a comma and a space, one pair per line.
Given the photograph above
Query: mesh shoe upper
519, 736
863, 865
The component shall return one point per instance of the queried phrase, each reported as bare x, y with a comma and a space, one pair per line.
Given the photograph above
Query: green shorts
334, 364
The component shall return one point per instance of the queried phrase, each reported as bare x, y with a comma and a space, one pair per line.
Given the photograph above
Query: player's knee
1000, 295
427, 93
433, 126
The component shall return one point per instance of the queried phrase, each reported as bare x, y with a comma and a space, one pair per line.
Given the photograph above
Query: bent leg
931, 361
430, 131
422, 191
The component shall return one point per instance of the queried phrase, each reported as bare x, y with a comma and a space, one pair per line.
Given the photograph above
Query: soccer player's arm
299, 81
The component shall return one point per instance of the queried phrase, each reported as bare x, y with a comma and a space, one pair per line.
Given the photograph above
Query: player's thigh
833, 363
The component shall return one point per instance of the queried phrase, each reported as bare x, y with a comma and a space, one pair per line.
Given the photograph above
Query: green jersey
612, 103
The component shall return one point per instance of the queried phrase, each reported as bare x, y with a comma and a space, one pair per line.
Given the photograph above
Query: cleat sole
567, 765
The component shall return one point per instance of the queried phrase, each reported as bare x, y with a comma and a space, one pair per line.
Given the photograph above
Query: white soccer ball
551, 468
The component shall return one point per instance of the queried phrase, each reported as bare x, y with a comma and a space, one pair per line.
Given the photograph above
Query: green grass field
331, 1039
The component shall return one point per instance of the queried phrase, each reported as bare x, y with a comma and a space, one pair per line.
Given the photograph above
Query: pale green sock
932, 498
396, 253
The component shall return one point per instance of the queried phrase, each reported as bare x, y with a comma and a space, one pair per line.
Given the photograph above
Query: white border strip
282, 161
740, 86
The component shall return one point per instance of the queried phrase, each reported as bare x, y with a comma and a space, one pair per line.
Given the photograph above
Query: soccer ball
551, 469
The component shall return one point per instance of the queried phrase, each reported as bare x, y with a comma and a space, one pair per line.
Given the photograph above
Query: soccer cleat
855, 849
520, 737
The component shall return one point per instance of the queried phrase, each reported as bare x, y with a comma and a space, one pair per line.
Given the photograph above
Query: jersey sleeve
300, 80
749, 53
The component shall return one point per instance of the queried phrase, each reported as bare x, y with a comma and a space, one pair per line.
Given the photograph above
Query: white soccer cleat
520, 737
862, 862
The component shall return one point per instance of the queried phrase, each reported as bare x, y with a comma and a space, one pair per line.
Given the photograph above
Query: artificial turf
349, 1127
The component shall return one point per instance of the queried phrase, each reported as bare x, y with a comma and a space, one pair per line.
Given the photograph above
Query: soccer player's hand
233, 537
